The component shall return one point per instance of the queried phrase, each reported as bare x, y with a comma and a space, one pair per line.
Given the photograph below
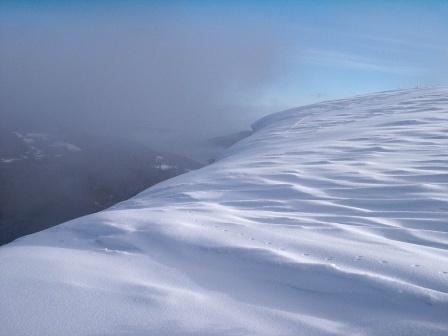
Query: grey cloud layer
128, 73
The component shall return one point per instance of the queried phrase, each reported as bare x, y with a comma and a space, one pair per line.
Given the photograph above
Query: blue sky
340, 48
267, 55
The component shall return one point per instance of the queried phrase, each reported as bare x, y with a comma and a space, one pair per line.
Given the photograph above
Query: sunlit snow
330, 219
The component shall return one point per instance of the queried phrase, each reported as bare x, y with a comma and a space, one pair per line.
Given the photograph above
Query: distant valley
46, 178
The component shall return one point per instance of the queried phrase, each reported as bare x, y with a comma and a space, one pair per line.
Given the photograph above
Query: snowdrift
330, 219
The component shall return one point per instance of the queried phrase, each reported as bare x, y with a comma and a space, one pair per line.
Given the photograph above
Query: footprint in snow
415, 265
384, 262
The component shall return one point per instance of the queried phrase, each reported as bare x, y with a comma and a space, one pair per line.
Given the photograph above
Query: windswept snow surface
331, 219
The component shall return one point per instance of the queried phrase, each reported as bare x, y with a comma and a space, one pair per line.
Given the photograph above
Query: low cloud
133, 74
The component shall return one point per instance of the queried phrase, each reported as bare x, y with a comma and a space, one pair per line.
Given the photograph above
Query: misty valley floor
330, 219
49, 178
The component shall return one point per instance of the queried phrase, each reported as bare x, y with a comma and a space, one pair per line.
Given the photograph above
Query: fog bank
166, 77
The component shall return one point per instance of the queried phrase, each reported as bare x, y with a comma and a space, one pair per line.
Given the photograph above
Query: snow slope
331, 219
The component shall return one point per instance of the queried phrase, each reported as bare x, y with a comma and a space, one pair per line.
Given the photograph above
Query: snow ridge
330, 219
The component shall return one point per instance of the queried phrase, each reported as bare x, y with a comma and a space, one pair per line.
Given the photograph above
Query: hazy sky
194, 69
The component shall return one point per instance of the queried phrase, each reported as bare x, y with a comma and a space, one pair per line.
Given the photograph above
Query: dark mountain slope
47, 179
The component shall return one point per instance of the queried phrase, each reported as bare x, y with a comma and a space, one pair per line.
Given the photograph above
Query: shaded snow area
330, 219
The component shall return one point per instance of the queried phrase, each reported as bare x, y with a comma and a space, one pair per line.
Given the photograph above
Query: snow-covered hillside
329, 219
